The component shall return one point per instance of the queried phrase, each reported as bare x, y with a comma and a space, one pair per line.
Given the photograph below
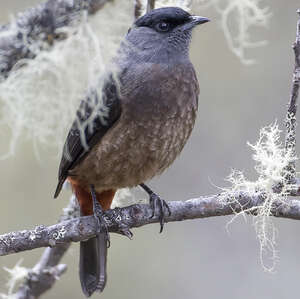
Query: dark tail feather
58, 188
92, 264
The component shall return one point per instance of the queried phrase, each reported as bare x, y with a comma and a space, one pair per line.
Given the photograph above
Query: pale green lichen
39, 99
59, 234
271, 164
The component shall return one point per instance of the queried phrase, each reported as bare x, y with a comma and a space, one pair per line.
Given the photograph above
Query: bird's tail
93, 252
92, 264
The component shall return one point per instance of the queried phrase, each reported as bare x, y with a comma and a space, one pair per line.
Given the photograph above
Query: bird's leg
155, 201
112, 216
99, 215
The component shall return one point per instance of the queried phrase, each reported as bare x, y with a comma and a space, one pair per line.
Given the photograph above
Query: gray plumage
152, 102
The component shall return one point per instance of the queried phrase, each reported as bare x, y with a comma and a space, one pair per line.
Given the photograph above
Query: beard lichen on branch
17, 275
238, 18
40, 96
271, 161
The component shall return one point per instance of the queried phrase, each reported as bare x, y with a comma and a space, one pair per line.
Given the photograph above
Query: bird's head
164, 31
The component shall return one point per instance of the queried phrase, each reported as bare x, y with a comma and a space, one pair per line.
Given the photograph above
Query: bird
132, 127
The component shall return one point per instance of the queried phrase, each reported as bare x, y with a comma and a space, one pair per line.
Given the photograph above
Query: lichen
60, 233
39, 99
17, 274
238, 18
271, 164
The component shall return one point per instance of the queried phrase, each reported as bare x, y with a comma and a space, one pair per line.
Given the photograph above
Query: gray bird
134, 127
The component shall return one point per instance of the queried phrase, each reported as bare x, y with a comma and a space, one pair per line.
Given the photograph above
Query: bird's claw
126, 232
122, 228
156, 201
99, 216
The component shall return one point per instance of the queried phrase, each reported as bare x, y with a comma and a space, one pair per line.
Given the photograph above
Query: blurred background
191, 259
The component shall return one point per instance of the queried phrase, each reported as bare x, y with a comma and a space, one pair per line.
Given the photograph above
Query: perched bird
134, 127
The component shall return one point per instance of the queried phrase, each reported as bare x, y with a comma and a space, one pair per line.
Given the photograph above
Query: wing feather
94, 118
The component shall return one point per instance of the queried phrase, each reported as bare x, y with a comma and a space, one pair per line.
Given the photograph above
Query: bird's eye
162, 26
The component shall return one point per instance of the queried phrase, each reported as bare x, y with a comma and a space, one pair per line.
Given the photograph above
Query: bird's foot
157, 202
99, 215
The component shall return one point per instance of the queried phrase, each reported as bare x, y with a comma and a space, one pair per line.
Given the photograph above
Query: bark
83, 228
290, 139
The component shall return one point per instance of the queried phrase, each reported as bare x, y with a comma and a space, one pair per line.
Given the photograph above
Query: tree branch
38, 28
42, 277
290, 139
47, 270
83, 228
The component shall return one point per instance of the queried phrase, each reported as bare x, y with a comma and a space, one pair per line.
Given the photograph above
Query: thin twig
138, 7
290, 139
41, 278
150, 5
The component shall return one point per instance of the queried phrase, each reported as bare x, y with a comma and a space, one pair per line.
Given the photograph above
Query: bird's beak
197, 20
194, 21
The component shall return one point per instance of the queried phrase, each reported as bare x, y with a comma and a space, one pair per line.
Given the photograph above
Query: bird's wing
95, 116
